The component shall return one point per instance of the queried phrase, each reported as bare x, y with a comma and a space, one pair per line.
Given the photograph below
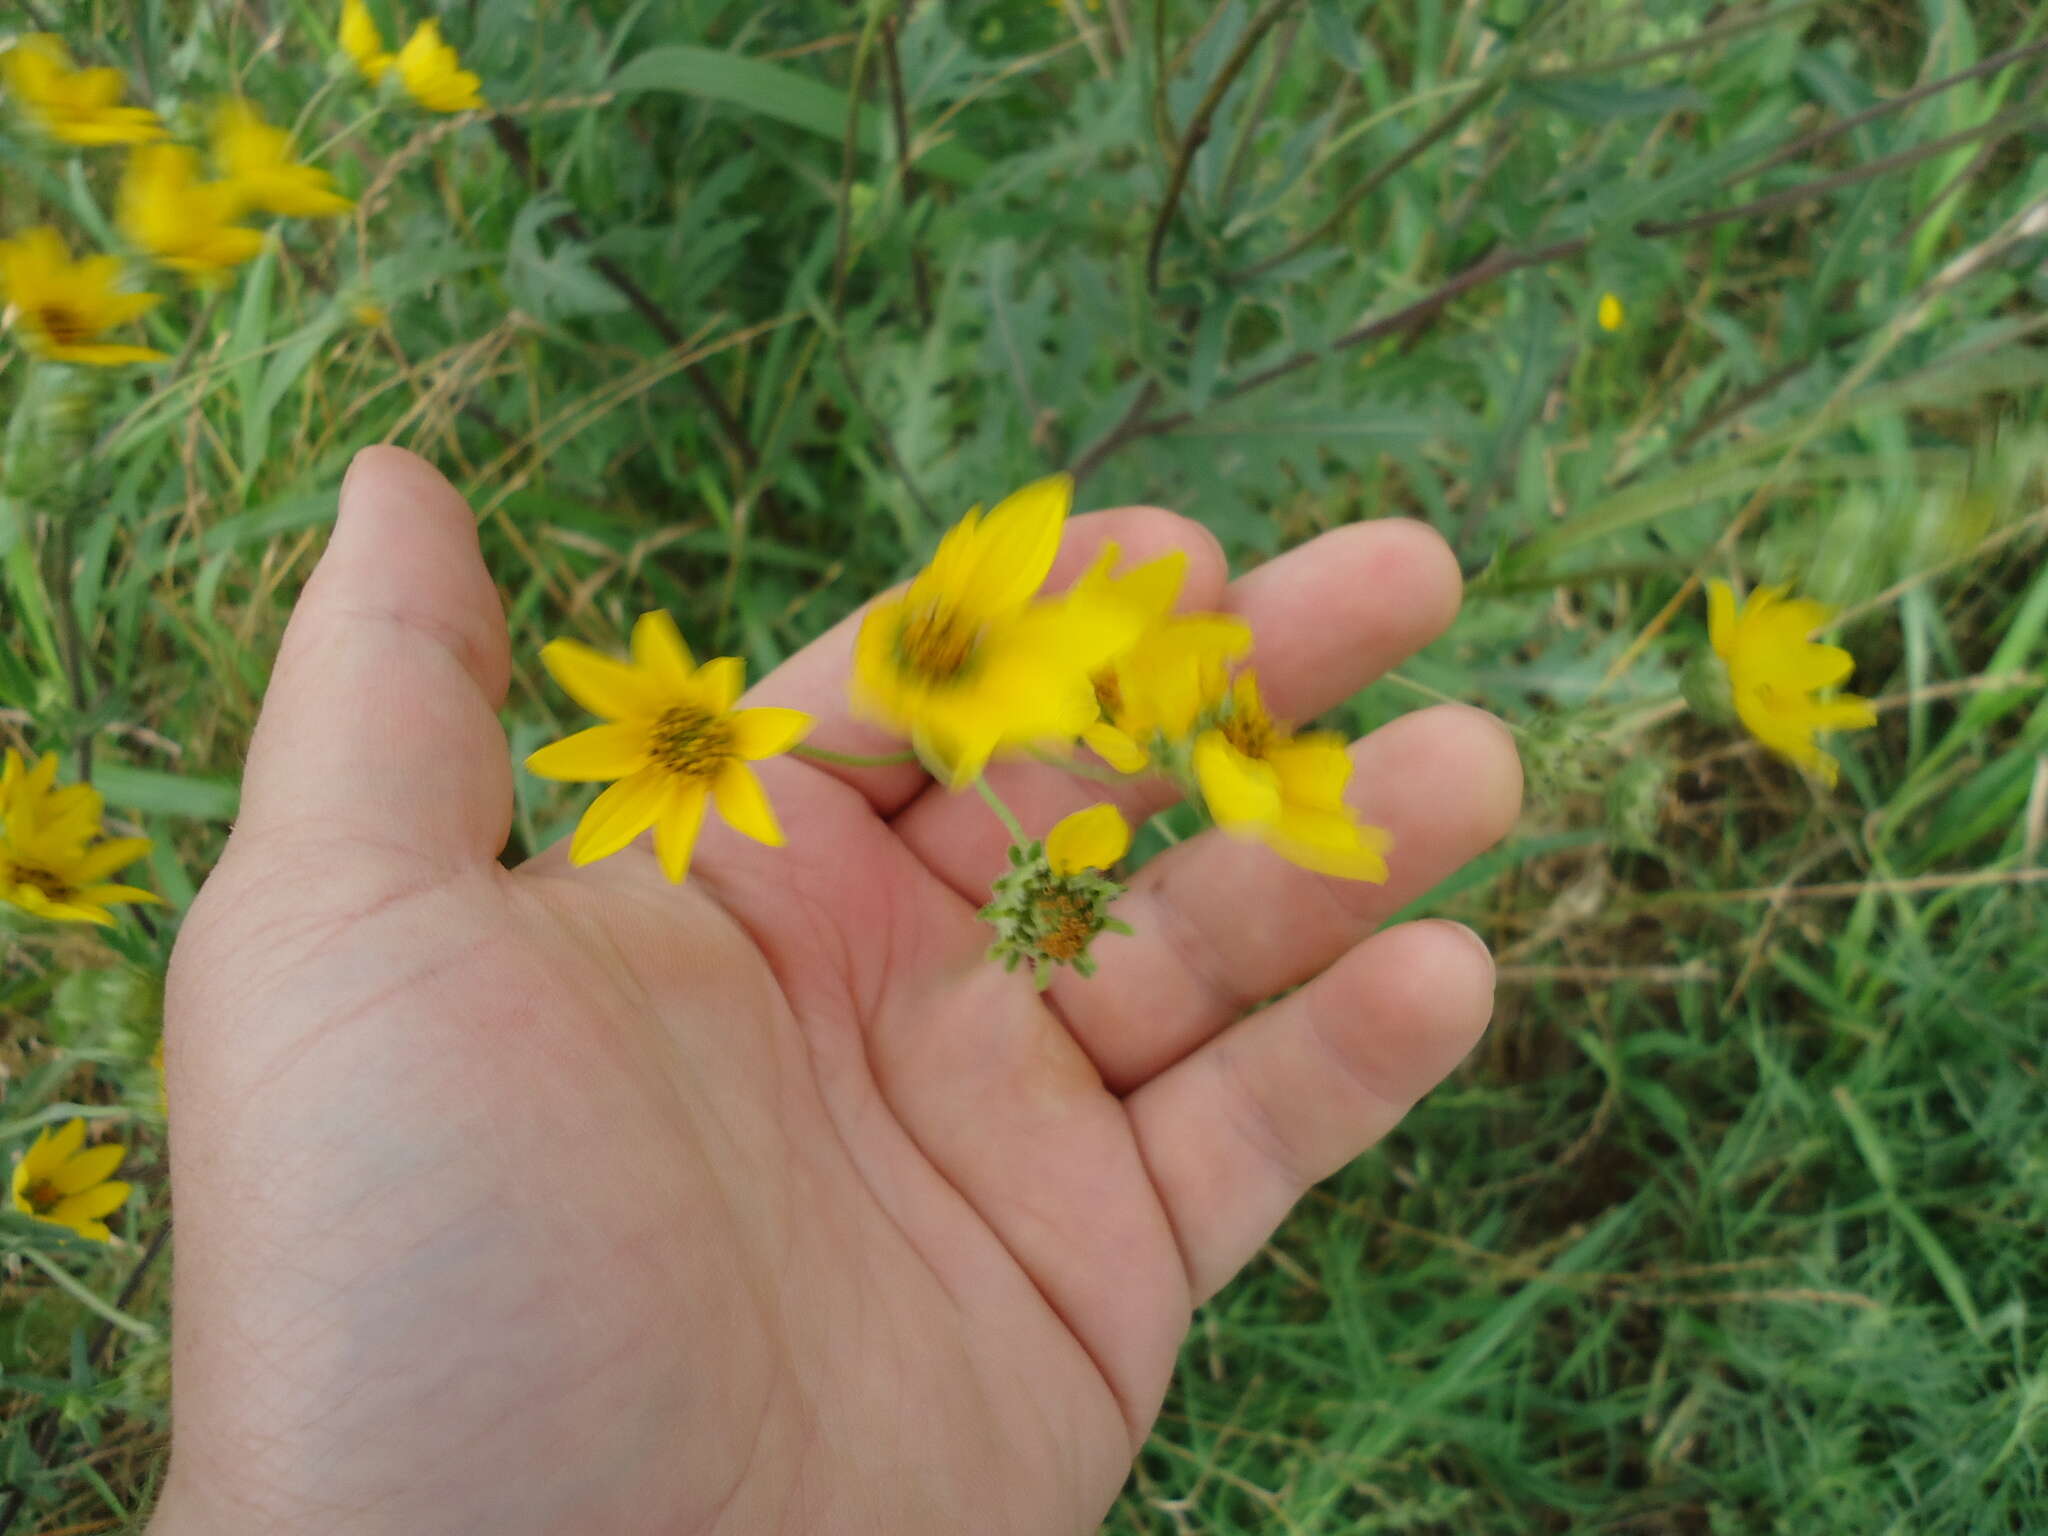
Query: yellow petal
1004, 558
743, 804
599, 683
601, 752
660, 651
1806, 667
1238, 791
759, 733
1359, 857
719, 683
619, 815
90, 1204
1115, 748
47, 1153
1313, 769
675, 834
95, 1165
101, 895
1846, 712
1094, 838
115, 853
1721, 618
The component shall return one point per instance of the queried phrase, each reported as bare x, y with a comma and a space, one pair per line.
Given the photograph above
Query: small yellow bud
1611, 314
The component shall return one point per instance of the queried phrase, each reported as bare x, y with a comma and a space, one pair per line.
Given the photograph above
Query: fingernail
1475, 941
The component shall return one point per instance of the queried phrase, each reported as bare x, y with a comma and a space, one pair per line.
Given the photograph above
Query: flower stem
853, 759
1007, 816
88, 1298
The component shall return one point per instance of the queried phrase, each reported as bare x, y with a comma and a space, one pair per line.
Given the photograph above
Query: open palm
554, 1199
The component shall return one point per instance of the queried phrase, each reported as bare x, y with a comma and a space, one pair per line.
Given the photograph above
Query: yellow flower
180, 221
1091, 839
1775, 670
256, 159
967, 664
363, 43
61, 304
1178, 668
672, 740
1261, 780
1611, 314
433, 76
56, 1181
50, 866
74, 105
369, 315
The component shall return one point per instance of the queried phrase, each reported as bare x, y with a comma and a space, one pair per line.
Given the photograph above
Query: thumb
380, 724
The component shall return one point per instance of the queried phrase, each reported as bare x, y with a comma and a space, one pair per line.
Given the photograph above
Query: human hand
563, 1199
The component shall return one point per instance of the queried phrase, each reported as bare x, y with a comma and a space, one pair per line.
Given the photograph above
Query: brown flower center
54, 886
1109, 697
691, 742
65, 326
935, 644
1250, 731
43, 1196
1068, 924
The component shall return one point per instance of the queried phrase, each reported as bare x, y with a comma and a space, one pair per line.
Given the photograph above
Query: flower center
1250, 731
55, 887
64, 326
1109, 697
935, 644
43, 1196
1068, 923
691, 742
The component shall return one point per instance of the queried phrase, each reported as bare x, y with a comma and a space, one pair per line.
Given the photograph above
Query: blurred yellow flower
256, 159
1094, 838
362, 42
77, 106
50, 865
967, 664
1178, 667
180, 221
61, 1180
1775, 670
1611, 315
369, 315
61, 305
433, 76
672, 741
1260, 780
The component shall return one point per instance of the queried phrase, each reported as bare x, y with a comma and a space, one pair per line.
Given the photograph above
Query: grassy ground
1735, 1223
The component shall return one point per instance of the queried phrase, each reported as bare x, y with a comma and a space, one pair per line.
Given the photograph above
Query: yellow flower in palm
78, 106
1094, 838
61, 305
433, 76
1775, 671
1261, 780
180, 221
61, 1180
363, 43
672, 741
1151, 694
50, 864
257, 161
966, 662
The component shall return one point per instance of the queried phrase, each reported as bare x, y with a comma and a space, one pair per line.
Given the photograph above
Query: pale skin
566, 1200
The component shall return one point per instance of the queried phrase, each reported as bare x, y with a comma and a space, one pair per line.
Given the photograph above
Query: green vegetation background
1736, 1223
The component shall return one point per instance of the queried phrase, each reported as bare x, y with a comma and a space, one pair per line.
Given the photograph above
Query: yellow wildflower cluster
426, 66
169, 212
972, 661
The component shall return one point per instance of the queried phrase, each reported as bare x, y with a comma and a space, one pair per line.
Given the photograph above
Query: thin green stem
853, 759
84, 1296
1007, 816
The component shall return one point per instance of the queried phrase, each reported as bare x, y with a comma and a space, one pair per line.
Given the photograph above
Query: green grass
1735, 1223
